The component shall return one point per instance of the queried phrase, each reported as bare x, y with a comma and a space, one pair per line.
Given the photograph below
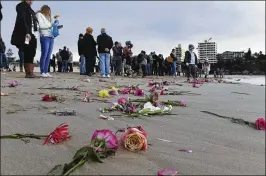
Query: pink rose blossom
122, 100
139, 92
183, 103
125, 91
108, 136
167, 172
260, 123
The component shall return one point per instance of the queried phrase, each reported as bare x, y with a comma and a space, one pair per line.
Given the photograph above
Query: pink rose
167, 172
13, 83
125, 91
260, 123
162, 92
153, 89
107, 136
135, 139
139, 92
183, 103
122, 100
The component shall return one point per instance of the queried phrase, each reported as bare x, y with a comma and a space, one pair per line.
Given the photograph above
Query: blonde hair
45, 9
89, 30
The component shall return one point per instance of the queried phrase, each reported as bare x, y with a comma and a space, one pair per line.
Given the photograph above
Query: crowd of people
94, 54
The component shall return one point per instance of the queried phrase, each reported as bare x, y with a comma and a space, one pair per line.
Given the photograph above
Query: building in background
180, 53
232, 54
207, 50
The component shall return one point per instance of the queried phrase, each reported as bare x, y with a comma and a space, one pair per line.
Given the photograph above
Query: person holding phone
23, 36
46, 39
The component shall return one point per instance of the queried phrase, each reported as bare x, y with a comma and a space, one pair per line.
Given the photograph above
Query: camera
60, 26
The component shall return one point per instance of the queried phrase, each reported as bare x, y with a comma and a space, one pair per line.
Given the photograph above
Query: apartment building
207, 50
180, 53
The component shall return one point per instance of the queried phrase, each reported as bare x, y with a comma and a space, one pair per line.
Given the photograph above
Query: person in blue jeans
173, 63
105, 43
82, 61
46, 39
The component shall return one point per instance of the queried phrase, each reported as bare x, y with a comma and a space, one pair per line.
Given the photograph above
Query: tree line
250, 63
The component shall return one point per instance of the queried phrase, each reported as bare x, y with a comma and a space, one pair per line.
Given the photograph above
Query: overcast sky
154, 25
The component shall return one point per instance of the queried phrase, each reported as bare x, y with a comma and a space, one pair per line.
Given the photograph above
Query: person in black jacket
23, 35
191, 62
89, 51
1, 15
105, 43
2, 53
117, 57
65, 56
82, 66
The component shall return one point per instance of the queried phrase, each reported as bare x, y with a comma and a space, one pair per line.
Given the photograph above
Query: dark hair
80, 35
116, 42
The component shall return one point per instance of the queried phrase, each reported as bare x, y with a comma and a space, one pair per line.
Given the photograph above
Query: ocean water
254, 80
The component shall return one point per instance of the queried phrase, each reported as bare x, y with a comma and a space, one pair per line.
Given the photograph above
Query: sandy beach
219, 146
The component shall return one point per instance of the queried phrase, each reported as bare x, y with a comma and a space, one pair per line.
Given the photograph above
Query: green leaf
94, 156
81, 152
57, 170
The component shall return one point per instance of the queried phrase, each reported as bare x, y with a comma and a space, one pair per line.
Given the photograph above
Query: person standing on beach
105, 43
191, 62
65, 56
117, 57
59, 61
46, 39
127, 56
82, 62
88, 48
206, 68
23, 36
70, 62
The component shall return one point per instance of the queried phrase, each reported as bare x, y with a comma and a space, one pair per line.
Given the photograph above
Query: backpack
170, 59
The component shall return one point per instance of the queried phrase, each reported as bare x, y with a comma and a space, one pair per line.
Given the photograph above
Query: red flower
260, 124
47, 98
162, 92
60, 134
151, 84
153, 89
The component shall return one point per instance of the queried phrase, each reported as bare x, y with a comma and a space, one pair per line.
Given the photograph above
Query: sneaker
108, 76
48, 75
43, 75
103, 76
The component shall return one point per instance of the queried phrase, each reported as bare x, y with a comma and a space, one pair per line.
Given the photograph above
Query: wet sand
219, 146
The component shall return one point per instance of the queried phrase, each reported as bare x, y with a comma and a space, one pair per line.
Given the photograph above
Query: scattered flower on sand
60, 134
139, 92
122, 100
114, 88
135, 139
167, 172
49, 98
86, 97
113, 92
13, 83
104, 93
103, 144
125, 91
260, 123
104, 140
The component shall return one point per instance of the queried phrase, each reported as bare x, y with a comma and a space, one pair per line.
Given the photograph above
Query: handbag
55, 31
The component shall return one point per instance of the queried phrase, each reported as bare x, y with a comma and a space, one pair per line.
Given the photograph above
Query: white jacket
45, 26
